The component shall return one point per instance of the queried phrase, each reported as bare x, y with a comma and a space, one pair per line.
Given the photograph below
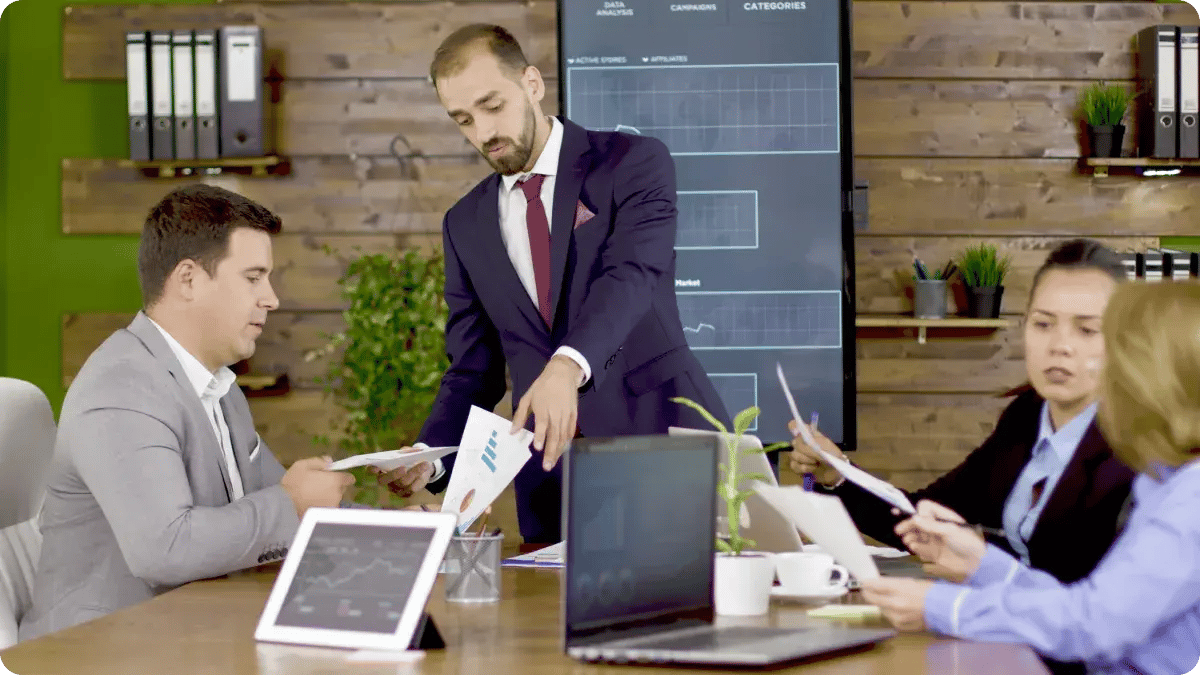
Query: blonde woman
1139, 610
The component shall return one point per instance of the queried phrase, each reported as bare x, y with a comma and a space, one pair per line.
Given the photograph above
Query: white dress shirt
515, 232
210, 387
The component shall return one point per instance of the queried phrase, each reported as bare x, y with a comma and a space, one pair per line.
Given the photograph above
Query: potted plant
983, 272
389, 359
1104, 107
742, 579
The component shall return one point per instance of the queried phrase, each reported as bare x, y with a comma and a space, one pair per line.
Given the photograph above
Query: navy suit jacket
612, 281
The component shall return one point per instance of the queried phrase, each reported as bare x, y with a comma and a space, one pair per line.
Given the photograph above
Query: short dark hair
193, 223
452, 55
1081, 254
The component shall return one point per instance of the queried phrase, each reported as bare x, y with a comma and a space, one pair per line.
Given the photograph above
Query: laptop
760, 522
638, 578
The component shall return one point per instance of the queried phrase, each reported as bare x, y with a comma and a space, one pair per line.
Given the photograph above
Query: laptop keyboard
713, 639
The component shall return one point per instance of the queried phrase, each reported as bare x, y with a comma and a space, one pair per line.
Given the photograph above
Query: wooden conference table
207, 628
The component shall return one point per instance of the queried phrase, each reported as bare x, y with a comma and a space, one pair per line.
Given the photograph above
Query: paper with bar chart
489, 457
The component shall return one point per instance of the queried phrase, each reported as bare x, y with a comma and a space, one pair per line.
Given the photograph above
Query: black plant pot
983, 302
1106, 140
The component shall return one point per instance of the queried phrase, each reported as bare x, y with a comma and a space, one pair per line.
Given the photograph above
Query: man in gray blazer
159, 477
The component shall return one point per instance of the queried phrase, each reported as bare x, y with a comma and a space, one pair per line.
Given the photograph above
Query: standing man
158, 477
561, 265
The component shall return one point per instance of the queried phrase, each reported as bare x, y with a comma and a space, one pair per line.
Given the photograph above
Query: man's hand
406, 480
553, 400
949, 550
806, 460
902, 601
310, 483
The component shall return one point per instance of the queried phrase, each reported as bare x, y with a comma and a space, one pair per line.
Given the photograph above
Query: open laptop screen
639, 531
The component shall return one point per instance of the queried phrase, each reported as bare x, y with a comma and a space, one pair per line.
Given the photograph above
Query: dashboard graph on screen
736, 109
753, 102
717, 219
760, 320
354, 577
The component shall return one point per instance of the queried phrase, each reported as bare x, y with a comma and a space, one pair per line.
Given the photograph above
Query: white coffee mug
809, 573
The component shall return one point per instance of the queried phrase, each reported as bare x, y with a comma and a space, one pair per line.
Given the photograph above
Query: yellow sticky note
839, 611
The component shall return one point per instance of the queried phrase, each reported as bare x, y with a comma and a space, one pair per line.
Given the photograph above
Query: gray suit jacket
138, 499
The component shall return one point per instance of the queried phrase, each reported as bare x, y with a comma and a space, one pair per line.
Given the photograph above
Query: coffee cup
810, 573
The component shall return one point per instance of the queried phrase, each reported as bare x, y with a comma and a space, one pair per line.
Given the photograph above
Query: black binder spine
1158, 70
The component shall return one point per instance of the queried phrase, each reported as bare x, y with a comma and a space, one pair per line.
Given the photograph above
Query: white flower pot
742, 584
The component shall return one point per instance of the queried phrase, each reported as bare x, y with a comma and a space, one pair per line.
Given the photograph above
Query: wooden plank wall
964, 126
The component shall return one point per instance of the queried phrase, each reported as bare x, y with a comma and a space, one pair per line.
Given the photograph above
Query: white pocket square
257, 446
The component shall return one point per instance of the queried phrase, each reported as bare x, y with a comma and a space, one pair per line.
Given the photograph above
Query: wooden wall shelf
1100, 165
922, 325
254, 166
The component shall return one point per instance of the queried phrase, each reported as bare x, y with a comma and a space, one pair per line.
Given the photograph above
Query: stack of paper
489, 458
876, 551
825, 521
390, 460
551, 556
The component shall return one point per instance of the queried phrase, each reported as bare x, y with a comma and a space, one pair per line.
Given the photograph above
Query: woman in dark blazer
1065, 523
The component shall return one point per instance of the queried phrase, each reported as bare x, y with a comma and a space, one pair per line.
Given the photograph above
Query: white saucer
785, 594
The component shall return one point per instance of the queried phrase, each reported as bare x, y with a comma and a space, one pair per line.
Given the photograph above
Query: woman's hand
901, 600
939, 537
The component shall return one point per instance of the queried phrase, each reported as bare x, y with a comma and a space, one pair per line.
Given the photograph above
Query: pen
809, 480
917, 267
989, 531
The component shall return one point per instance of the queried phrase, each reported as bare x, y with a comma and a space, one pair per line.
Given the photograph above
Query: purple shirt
1137, 613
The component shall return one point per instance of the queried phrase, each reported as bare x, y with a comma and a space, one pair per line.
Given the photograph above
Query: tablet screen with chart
354, 577
752, 100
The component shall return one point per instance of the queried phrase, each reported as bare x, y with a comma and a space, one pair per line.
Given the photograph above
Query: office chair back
26, 448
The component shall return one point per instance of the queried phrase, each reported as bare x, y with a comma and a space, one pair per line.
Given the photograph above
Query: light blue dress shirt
1051, 454
1137, 613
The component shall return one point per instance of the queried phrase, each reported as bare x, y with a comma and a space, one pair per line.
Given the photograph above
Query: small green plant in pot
742, 583
389, 359
1104, 107
983, 271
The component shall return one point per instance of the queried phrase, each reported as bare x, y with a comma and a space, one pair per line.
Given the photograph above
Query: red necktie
539, 242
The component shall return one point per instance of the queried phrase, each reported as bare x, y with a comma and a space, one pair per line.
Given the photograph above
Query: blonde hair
1150, 390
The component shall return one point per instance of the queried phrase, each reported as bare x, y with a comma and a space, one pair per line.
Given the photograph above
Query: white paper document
389, 460
551, 556
489, 457
876, 551
880, 488
824, 520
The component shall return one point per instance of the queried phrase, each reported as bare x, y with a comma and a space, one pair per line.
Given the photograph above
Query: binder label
183, 81
1189, 72
206, 80
160, 62
135, 78
240, 52
1166, 74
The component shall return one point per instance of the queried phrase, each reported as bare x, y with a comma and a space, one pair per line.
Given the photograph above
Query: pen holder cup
473, 568
929, 299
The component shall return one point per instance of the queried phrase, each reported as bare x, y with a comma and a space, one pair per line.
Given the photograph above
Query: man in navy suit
560, 265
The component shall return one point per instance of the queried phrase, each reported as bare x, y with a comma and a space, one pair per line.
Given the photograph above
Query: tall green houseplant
390, 357
730, 474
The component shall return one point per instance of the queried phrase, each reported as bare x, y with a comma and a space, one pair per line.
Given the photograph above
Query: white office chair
26, 448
